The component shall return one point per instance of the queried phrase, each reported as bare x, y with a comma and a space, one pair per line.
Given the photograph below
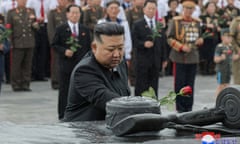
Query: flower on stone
73, 42
170, 98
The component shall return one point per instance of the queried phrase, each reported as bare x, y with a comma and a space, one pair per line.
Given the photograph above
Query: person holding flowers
223, 59
148, 39
4, 47
184, 37
210, 29
71, 42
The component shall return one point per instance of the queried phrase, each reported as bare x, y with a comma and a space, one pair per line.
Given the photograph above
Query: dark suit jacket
63, 32
91, 87
148, 56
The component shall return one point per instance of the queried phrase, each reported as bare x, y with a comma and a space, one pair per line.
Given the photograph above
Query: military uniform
56, 17
22, 21
184, 32
207, 65
223, 68
227, 14
235, 31
133, 15
92, 15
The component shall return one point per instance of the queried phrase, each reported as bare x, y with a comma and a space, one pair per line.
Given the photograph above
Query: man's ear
94, 46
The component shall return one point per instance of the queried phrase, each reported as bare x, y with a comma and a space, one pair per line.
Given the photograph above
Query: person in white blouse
112, 10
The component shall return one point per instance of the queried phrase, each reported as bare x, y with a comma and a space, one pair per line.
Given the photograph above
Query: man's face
113, 10
62, 3
150, 10
139, 2
74, 14
109, 53
21, 3
187, 11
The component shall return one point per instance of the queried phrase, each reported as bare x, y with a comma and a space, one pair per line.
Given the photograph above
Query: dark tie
151, 24
74, 29
42, 9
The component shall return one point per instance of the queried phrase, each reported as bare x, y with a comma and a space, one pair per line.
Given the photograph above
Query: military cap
189, 3
225, 32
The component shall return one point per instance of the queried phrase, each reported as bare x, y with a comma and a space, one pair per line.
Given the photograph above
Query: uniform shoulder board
177, 18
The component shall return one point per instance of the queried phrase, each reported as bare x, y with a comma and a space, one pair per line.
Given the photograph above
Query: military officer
92, 14
133, 14
184, 37
23, 22
235, 32
228, 13
56, 17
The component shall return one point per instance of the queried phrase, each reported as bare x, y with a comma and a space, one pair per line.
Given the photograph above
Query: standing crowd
182, 38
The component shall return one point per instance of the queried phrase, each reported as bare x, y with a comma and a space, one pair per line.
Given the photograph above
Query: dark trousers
146, 77
184, 75
21, 67
41, 56
64, 80
7, 66
54, 70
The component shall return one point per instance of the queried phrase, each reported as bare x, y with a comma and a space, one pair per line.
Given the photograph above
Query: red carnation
229, 52
187, 90
8, 26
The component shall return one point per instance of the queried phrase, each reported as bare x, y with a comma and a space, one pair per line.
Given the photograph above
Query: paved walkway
40, 105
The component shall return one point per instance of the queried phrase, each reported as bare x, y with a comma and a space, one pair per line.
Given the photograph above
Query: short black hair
208, 3
112, 2
150, 1
107, 28
73, 5
170, 1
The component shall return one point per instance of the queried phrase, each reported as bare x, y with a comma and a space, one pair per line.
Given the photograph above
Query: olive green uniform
92, 15
56, 17
235, 31
23, 41
133, 15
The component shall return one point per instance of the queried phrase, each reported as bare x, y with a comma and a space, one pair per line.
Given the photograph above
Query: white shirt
36, 5
148, 21
71, 26
127, 37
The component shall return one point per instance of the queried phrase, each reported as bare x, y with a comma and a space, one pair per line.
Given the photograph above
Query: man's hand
69, 53
1, 47
148, 44
199, 41
186, 49
235, 57
164, 64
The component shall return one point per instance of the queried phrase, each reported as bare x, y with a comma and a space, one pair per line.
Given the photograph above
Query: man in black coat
98, 77
150, 52
69, 57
